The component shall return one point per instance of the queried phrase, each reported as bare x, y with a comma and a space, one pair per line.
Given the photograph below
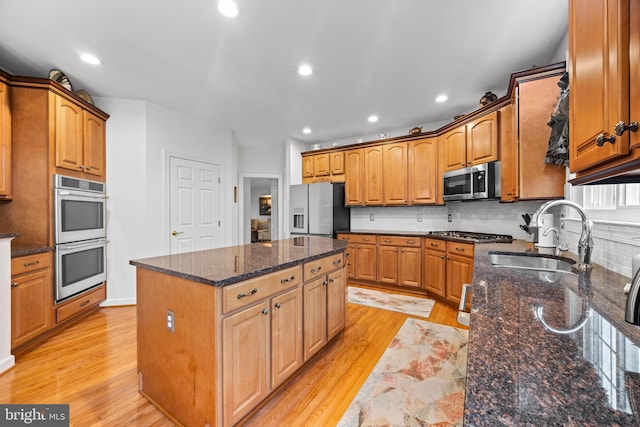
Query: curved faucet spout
585, 244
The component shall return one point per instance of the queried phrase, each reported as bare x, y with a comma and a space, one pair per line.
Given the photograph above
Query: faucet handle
556, 239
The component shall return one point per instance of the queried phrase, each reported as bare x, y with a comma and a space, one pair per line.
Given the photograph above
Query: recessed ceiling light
306, 130
441, 98
372, 119
305, 70
228, 8
90, 59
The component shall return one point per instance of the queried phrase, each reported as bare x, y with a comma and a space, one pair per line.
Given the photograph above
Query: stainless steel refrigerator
318, 209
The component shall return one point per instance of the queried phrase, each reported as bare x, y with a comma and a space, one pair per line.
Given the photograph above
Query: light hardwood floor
92, 367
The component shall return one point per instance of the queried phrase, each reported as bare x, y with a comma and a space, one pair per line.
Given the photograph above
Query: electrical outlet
449, 219
419, 218
371, 217
171, 321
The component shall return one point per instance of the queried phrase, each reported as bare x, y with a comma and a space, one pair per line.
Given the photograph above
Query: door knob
175, 233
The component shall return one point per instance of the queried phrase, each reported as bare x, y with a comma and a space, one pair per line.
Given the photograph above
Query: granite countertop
19, 249
520, 372
224, 266
8, 235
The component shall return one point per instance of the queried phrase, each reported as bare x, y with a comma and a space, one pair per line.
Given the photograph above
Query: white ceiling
384, 57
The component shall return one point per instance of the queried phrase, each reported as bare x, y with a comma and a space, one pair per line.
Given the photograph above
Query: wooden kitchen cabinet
400, 261
349, 255
423, 171
395, 175
604, 56
323, 167
509, 163
471, 144
31, 297
286, 335
79, 139
353, 184
315, 316
336, 303
373, 177
435, 266
5, 142
366, 264
459, 269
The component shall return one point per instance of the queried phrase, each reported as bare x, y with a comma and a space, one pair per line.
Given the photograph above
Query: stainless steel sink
532, 261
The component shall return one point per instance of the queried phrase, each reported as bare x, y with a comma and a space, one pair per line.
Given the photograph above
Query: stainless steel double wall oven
80, 235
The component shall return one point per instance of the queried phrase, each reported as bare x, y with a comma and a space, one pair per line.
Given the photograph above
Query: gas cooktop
473, 236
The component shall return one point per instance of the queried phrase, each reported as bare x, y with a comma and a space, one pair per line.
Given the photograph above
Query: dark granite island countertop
224, 266
581, 368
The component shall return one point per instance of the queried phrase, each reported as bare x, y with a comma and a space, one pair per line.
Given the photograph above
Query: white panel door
194, 205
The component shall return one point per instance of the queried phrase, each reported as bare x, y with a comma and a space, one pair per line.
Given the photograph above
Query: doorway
194, 200
260, 209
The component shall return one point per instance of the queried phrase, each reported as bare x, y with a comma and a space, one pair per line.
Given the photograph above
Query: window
611, 202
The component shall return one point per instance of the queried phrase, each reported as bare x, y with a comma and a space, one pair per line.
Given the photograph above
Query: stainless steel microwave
473, 183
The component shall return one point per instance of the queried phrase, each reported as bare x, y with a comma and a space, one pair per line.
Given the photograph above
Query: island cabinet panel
395, 173
177, 369
286, 335
423, 171
336, 303
245, 361
320, 267
315, 316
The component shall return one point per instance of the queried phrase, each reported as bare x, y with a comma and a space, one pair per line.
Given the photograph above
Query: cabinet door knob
277, 305
88, 168
81, 167
621, 127
601, 139
265, 311
14, 285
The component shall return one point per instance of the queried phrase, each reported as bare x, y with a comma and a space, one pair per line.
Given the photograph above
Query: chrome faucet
585, 244
556, 239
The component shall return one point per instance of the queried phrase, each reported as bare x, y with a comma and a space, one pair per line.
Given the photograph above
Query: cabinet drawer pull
14, 284
337, 262
460, 249
248, 294
315, 270
411, 242
601, 139
621, 127
287, 280
82, 304
366, 239
387, 241
435, 245
31, 264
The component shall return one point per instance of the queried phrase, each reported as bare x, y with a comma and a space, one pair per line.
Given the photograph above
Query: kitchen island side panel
177, 370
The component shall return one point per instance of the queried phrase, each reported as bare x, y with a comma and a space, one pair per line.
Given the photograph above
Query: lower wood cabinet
31, 297
447, 266
400, 261
435, 266
362, 256
315, 316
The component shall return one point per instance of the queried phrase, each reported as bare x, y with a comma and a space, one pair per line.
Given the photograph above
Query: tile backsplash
614, 244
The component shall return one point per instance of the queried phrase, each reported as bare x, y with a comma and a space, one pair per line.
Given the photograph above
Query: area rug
414, 306
418, 381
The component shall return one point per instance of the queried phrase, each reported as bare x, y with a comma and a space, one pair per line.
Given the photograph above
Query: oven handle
88, 243
84, 195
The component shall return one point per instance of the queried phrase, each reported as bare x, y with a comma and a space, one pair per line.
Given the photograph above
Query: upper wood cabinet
323, 167
423, 171
79, 139
471, 144
353, 185
509, 164
5, 142
395, 173
373, 175
604, 56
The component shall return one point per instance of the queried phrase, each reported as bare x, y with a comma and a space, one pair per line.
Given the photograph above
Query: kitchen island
220, 330
549, 348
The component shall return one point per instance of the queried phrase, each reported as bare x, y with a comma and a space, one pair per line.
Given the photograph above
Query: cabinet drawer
322, 266
28, 263
465, 249
361, 238
256, 289
435, 244
80, 303
414, 242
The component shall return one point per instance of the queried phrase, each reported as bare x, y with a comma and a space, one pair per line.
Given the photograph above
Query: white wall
139, 136
6, 359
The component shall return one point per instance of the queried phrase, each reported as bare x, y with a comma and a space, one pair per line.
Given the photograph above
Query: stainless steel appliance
80, 266
318, 209
472, 183
80, 235
80, 207
473, 236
